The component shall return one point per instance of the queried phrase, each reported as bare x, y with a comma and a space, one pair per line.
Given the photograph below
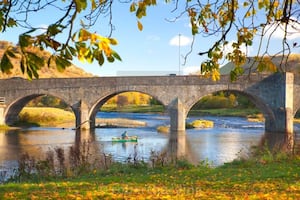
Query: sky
153, 51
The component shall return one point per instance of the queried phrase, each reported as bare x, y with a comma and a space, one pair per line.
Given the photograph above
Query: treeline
48, 101
223, 100
214, 101
126, 98
132, 98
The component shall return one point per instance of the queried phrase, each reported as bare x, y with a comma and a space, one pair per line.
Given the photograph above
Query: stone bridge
277, 95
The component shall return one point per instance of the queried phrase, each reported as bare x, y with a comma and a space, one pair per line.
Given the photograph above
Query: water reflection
177, 145
218, 145
278, 142
35, 142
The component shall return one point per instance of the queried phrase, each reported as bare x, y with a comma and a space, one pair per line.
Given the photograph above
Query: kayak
127, 139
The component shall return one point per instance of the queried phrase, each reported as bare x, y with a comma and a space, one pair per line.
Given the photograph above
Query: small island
118, 123
197, 124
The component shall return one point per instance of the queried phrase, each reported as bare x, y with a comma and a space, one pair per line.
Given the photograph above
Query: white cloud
183, 40
190, 69
278, 31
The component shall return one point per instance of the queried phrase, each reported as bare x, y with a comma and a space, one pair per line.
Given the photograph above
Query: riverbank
134, 108
46, 116
230, 112
253, 179
253, 115
55, 117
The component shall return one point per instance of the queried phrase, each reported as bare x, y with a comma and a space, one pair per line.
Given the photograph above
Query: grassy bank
233, 112
133, 108
237, 112
277, 179
45, 116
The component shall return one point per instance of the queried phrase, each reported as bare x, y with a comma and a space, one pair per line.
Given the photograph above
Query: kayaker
124, 135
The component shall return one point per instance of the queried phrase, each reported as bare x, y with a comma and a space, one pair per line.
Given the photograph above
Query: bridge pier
2, 116
177, 113
82, 115
278, 90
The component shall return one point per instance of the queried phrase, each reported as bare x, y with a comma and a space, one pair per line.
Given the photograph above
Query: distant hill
45, 72
293, 64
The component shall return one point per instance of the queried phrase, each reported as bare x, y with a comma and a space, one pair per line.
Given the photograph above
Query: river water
230, 138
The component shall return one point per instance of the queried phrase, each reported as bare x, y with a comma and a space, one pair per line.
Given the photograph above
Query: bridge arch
102, 100
257, 101
13, 109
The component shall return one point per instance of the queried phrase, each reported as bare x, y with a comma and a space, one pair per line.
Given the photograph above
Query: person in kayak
124, 135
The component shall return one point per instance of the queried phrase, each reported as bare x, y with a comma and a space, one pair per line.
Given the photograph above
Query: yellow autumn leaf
248, 14
93, 38
215, 75
278, 14
83, 35
272, 68
132, 7
105, 47
103, 39
140, 25
113, 41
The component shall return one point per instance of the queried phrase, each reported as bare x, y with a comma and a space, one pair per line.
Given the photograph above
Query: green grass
278, 179
234, 112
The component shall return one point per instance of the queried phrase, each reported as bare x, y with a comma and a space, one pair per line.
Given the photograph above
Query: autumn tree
217, 19
122, 100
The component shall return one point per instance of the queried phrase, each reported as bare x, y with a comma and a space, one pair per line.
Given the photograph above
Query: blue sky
153, 51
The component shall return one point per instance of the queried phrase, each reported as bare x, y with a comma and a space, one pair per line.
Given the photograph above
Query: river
230, 138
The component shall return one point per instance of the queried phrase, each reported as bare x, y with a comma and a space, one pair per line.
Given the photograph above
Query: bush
200, 124
212, 102
163, 129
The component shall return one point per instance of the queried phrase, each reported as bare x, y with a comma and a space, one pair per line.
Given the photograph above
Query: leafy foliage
219, 19
132, 98
83, 44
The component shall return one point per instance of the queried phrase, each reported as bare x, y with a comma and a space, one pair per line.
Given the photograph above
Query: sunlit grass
297, 120
238, 180
134, 108
5, 127
46, 116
